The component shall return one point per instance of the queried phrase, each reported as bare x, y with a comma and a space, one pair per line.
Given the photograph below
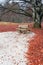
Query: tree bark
37, 25
37, 21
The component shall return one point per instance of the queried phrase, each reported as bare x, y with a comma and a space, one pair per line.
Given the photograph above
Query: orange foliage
9, 27
35, 51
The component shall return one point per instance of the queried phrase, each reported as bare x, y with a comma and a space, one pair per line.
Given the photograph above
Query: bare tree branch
15, 10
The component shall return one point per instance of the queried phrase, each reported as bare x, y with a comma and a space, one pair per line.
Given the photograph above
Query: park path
13, 47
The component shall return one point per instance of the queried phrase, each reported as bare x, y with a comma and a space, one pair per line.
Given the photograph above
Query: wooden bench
23, 28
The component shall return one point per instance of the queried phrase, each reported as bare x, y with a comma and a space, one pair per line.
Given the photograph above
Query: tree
36, 9
37, 13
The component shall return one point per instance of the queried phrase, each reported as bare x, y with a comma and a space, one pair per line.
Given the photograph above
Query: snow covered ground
13, 47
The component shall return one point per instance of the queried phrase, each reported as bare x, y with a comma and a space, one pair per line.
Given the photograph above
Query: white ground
13, 46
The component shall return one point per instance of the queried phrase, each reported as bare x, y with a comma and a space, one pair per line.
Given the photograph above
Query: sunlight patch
13, 47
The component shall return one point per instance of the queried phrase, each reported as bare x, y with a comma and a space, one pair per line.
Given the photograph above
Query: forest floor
35, 50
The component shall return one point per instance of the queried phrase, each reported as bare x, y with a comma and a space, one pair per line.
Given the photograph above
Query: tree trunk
37, 25
37, 21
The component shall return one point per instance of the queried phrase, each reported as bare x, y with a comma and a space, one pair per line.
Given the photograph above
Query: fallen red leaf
35, 51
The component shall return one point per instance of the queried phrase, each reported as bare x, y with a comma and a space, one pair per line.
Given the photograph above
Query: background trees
29, 8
